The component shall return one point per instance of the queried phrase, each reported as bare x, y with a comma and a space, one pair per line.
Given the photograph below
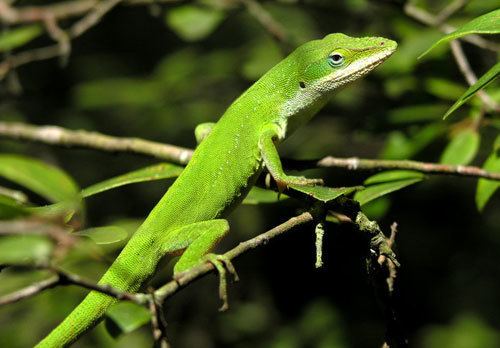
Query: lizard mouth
362, 67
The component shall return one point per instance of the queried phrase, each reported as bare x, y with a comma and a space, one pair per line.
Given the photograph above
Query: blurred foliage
157, 71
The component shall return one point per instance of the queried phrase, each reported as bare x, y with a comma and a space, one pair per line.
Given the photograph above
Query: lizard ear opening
302, 84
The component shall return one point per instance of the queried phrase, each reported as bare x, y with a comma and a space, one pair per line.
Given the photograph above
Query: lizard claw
223, 264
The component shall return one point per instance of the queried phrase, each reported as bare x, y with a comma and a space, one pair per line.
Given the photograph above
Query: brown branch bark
59, 136
64, 278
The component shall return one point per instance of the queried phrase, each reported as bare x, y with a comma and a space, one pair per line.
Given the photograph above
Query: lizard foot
222, 264
296, 180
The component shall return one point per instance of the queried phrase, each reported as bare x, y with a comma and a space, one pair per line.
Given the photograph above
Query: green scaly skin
226, 164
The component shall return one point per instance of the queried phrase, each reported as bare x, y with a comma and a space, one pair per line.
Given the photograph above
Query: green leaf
258, 195
125, 317
400, 146
377, 209
262, 55
386, 182
462, 149
105, 234
66, 210
113, 92
482, 82
416, 113
486, 188
43, 179
393, 175
193, 22
11, 208
324, 193
488, 23
444, 89
24, 249
372, 192
151, 173
13, 38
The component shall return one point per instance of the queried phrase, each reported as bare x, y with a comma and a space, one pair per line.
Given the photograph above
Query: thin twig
59, 136
194, 273
450, 10
18, 196
355, 163
158, 324
29, 291
48, 15
265, 19
93, 17
27, 14
426, 18
382, 259
54, 135
456, 48
62, 238
65, 278
470, 76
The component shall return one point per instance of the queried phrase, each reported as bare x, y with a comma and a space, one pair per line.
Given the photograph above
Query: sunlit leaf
105, 234
486, 188
462, 149
372, 192
151, 173
393, 175
12, 38
125, 317
488, 23
258, 195
192, 22
482, 82
66, 209
24, 249
324, 193
46, 180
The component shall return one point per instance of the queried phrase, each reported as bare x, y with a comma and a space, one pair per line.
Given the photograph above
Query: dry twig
59, 136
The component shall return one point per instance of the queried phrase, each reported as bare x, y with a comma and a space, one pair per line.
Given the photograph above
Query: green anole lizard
190, 216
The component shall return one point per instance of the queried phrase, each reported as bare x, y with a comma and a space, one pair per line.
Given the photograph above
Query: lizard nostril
382, 43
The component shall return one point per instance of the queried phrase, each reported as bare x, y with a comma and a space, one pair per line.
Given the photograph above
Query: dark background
134, 75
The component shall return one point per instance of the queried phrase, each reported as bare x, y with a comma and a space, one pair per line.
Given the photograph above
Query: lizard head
321, 66
338, 59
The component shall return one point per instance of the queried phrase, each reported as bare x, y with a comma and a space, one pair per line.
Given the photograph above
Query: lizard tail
134, 265
84, 317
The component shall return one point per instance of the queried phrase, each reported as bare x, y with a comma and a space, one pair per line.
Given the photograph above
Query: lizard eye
335, 59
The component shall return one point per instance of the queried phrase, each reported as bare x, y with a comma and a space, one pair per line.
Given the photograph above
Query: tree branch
59, 136
92, 12
194, 273
426, 18
456, 48
355, 163
64, 278
54, 135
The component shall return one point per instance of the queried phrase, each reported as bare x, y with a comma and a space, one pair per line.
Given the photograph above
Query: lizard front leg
198, 239
267, 145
